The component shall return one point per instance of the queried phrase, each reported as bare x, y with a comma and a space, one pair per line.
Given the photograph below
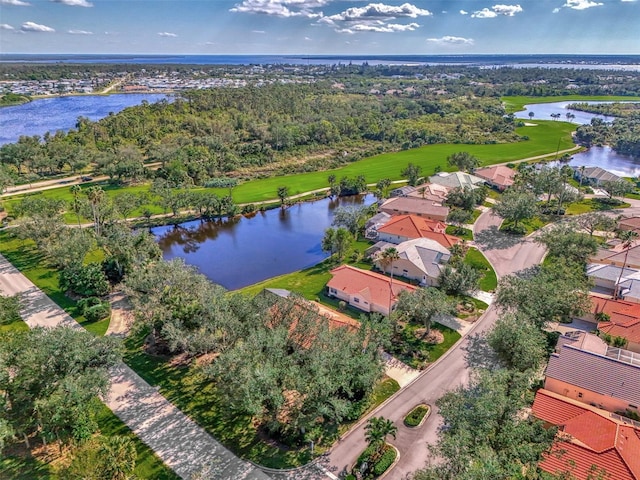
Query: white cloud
281, 8
79, 32
6, 26
35, 27
74, 3
379, 11
464, 12
379, 27
581, 4
449, 40
16, 3
308, 39
167, 34
258, 31
499, 9
629, 1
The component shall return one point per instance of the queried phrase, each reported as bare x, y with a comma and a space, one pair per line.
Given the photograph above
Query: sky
320, 27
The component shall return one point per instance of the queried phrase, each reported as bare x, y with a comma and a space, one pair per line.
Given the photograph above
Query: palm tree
386, 259
283, 193
376, 432
96, 196
75, 191
628, 238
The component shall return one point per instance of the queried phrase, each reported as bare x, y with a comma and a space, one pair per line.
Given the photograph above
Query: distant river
61, 113
243, 251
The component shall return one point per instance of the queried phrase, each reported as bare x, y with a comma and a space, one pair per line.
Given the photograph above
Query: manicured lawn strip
25, 468
475, 258
590, 205
15, 326
531, 224
463, 233
543, 139
25, 257
517, 103
415, 416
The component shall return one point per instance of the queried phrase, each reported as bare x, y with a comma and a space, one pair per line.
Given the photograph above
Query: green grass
517, 103
415, 416
25, 256
544, 138
476, 259
410, 342
463, 233
591, 205
25, 468
14, 326
530, 224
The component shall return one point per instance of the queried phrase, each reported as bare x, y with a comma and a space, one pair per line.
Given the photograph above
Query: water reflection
543, 111
607, 158
245, 250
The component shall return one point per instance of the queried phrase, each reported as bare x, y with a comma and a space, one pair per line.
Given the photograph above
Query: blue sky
315, 27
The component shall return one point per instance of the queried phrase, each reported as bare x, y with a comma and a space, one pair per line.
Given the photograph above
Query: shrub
415, 416
221, 182
98, 312
249, 208
85, 303
517, 230
386, 460
85, 280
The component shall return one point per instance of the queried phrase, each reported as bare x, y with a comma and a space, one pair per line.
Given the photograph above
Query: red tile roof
594, 437
624, 318
412, 226
498, 175
371, 286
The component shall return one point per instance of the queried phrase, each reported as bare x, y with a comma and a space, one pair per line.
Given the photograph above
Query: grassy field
544, 138
475, 258
517, 103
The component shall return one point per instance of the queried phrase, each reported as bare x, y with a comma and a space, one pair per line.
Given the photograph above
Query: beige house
415, 206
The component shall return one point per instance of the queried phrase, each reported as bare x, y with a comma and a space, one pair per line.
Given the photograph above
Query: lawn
417, 353
591, 205
196, 396
517, 103
545, 138
531, 224
463, 233
476, 259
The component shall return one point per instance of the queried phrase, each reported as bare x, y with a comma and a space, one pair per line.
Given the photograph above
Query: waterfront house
365, 290
593, 176
415, 206
401, 228
431, 191
456, 180
586, 369
498, 176
590, 441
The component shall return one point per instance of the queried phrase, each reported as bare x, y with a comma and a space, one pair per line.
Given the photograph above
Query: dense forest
255, 131
623, 134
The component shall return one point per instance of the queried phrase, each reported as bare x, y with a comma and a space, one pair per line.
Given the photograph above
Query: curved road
507, 254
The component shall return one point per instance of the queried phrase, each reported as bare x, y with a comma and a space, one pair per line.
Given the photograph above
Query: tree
76, 190
592, 221
466, 198
9, 310
97, 198
484, 433
515, 206
412, 173
564, 242
463, 161
627, 237
518, 343
52, 391
459, 217
351, 217
617, 188
336, 241
376, 432
558, 291
462, 280
422, 305
103, 458
86, 280
283, 193
383, 185
125, 203
386, 258
334, 188
531, 115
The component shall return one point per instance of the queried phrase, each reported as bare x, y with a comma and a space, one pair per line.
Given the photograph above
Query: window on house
579, 394
356, 300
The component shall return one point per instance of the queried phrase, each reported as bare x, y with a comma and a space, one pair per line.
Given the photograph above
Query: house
618, 318
415, 206
365, 290
498, 176
593, 441
420, 259
618, 255
375, 222
616, 281
629, 223
402, 191
588, 370
401, 228
456, 180
431, 191
593, 175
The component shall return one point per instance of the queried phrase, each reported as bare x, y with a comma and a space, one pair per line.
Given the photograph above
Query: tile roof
585, 361
594, 437
372, 286
456, 179
617, 255
432, 191
596, 173
415, 205
624, 317
425, 254
411, 226
498, 175
629, 223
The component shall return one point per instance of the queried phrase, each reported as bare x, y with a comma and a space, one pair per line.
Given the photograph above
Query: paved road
178, 441
507, 254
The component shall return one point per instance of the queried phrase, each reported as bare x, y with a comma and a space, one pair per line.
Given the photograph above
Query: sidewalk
177, 440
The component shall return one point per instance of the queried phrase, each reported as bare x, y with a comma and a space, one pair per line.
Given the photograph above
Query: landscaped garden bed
417, 416
370, 468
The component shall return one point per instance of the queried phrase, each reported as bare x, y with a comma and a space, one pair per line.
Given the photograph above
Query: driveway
178, 441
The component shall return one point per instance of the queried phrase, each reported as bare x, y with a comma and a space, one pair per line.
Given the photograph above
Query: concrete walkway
177, 440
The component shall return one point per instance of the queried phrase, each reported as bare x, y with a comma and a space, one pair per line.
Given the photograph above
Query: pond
242, 251
61, 113
543, 111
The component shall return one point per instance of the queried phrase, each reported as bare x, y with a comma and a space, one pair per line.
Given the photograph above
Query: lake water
243, 251
543, 111
61, 113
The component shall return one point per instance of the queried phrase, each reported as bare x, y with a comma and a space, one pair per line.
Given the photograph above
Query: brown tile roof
411, 226
624, 318
617, 254
498, 175
585, 363
372, 286
415, 205
594, 437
